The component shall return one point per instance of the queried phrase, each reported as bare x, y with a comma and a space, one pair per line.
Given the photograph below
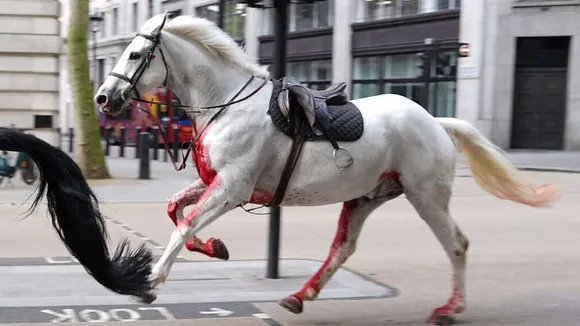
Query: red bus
167, 115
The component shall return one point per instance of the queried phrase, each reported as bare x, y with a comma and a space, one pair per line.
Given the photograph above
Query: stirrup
342, 158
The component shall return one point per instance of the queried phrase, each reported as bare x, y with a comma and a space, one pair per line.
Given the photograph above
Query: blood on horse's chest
203, 162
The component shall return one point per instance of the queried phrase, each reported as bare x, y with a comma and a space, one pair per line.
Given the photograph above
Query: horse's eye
134, 55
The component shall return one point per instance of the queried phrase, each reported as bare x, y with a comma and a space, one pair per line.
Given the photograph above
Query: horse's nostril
102, 100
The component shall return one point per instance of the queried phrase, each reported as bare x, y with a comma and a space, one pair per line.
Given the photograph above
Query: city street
522, 263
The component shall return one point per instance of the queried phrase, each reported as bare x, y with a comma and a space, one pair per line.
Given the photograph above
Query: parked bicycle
28, 170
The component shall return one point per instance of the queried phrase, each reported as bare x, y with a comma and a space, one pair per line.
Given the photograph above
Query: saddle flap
284, 103
305, 99
333, 90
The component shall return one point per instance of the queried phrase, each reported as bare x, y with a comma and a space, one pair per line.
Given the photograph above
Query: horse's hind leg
350, 223
433, 207
214, 248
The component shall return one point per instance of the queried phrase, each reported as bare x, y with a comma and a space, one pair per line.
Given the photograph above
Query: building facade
518, 82
406, 47
29, 66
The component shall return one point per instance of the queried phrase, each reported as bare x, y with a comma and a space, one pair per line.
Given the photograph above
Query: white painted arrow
217, 311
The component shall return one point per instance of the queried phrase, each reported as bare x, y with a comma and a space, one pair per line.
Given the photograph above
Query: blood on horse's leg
214, 248
352, 217
434, 210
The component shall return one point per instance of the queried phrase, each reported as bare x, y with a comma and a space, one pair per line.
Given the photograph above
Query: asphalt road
522, 267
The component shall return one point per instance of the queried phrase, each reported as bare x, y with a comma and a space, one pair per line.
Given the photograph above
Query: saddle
309, 99
305, 114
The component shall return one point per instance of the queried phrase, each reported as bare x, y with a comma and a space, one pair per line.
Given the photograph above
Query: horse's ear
162, 22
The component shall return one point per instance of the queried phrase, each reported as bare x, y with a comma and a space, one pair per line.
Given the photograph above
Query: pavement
522, 265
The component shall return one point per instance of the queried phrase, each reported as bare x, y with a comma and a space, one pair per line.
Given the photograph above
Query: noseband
141, 69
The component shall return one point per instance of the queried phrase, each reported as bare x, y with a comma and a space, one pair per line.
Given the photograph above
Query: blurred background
505, 65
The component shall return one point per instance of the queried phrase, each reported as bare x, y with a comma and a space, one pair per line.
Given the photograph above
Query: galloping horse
273, 142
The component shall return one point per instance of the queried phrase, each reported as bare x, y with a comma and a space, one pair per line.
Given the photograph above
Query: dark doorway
540, 92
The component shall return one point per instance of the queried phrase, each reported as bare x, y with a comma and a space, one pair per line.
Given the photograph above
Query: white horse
240, 154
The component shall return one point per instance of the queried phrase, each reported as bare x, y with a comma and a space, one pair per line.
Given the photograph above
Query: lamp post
95, 22
281, 34
222, 7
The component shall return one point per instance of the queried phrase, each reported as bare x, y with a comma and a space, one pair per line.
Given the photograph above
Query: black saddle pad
346, 121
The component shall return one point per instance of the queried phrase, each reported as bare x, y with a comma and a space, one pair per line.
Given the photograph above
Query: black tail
75, 215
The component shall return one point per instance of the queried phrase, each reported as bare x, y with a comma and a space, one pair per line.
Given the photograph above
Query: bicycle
28, 170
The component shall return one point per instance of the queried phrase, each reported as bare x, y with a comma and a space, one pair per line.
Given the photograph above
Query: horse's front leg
221, 196
214, 248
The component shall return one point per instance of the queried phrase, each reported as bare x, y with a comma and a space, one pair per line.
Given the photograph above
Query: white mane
216, 41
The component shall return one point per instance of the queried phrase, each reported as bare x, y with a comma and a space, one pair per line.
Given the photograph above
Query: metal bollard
59, 137
122, 137
144, 164
165, 152
71, 138
137, 140
108, 131
176, 144
155, 144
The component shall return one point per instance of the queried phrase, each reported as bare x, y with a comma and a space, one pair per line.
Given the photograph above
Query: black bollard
137, 140
108, 132
122, 137
165, 152
59, 138
176, 141
155, 144
144, 166
71, 138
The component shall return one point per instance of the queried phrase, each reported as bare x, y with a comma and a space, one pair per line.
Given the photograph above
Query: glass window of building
234, 17
316, 74
400, 74
174, 13
135, 16
115, 21
302, 16
368, 10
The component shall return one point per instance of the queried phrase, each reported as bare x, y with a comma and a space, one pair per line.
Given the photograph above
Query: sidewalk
552, 161
165, 181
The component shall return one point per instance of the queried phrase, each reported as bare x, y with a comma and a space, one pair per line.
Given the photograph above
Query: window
316, 74
400, 74
386, 9
42, 121
100, 27
302, 16
115, 18
101, 70
410, 7
210, 12
448, 4
234, 17
135, 16
174, 13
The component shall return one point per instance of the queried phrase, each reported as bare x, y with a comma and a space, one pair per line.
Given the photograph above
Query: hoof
438, 318
292, 304
220, 250
148, 298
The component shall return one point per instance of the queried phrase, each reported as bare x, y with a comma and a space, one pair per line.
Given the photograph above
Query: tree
89, 151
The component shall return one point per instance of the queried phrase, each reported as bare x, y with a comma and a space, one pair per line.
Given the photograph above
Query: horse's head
140, 69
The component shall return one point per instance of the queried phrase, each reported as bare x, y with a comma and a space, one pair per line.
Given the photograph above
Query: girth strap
298, 125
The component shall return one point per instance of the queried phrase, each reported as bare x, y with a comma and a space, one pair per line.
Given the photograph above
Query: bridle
134, 94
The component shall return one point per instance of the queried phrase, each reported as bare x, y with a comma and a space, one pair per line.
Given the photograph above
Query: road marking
103, 315
217, 311
126, 313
